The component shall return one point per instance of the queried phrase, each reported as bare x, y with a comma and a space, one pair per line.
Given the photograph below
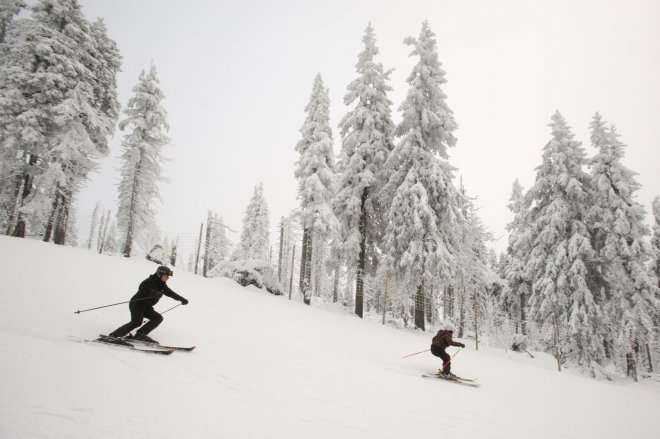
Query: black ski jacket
151, 290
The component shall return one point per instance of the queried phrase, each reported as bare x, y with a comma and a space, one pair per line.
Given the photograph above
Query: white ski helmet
447, 325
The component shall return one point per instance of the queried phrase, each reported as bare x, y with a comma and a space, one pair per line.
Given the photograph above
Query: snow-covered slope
264, 367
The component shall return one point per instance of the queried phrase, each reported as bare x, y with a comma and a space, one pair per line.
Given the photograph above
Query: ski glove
461, 345
184, 301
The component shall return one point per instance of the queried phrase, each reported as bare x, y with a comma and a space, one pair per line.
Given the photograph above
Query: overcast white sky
238, 74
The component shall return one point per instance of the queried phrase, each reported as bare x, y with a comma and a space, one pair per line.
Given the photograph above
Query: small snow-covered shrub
257, 272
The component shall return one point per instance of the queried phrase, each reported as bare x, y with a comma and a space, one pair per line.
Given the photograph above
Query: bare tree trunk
62, 220
16, 226
103, 230
335, 285
128, 244
523, 316
54, 210
303, 262
207, 244
293, 259
359, 286
556, 335
419, 308
317, 264
92, 227
306, 281
462, 312
385, 298
448, 302
173, 253
279, 258
631, 366
13, 214
199, 245
649, 358
475, 311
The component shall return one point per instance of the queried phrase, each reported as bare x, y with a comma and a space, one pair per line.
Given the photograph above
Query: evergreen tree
141, 169
218, 245
423, 205
110, 244
561, 251
366, 143
472, 275
655, 240
620, 242
515, 297
255, 237
315, 171
8, 9
54, 73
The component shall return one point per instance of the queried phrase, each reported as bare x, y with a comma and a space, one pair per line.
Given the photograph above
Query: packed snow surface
264, 367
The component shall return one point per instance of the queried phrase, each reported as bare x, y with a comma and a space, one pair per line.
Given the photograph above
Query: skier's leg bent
137, 315
446, 359
155, 319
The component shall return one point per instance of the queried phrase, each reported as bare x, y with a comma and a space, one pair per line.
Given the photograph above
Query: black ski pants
446, 359
138, 312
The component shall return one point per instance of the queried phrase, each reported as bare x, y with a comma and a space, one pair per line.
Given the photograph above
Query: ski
158, 345
468, 380
451, 379
120, 342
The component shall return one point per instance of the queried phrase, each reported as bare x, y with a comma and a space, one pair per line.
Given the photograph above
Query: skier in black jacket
142, 305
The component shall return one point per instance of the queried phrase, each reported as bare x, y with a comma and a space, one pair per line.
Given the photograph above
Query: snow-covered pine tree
423, 204
142, 159
620, 239
26, 102
514, 298
8, 9
291, 234
366, 132
255, 236
8, 161
655, 240
315, 171
472, 274
110, 245
55, 72
655, 246
217, 245
561, 251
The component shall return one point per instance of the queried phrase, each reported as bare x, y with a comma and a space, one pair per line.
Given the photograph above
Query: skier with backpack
441, 341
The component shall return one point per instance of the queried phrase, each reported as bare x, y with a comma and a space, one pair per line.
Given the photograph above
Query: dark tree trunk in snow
128, 244
62, 219
279, 258
293, 260
54, 211
555, 328
17, 225
359, 287
475, 311
306, 267
523, 316
419, 308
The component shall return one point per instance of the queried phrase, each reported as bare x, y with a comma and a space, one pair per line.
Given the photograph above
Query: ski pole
143, 321
171, 308
451, 358
420, 352
105, 306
